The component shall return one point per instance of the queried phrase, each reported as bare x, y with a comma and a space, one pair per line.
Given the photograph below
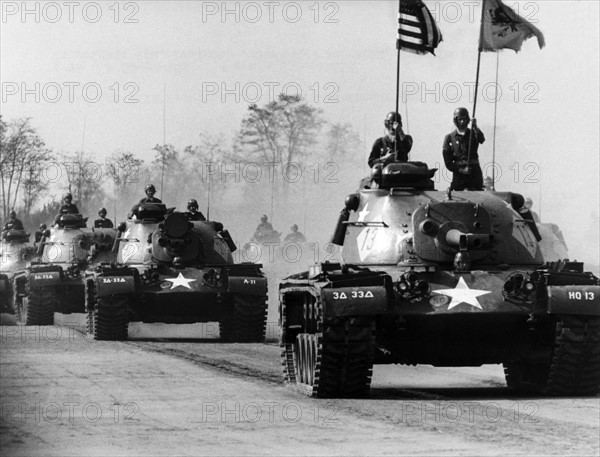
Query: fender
44, 279
355, 301
247, 285
111, 285
581, 300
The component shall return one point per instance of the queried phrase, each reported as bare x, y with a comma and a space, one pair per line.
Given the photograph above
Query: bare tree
34, 182
84, 180
341, 141
282, 130
19, 145
123, 168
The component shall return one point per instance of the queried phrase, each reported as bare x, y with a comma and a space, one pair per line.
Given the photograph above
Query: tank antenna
162, 170
208, 202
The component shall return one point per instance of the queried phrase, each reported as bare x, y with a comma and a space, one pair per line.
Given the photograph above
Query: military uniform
68, 208
195, 216
13, 224
295, 237
149, 200
385, 145
264, 227
456, 151
103, 222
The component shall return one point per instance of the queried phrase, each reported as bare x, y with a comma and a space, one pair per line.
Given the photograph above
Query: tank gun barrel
467, 241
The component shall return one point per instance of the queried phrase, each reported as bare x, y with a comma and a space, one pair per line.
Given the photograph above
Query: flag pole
477, 74
397, 75
495, 113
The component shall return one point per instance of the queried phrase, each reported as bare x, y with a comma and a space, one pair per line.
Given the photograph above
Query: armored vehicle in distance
173, 270
53, 282
15, 252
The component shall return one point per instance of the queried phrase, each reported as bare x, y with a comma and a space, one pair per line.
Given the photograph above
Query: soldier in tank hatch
385, 147
295, 236
192, 211
13, 223
150, 190
103, 222
68, 207
464, 165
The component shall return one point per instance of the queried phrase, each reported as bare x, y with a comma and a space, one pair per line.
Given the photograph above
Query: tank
176, 271
54, 280
444, 279
15, 252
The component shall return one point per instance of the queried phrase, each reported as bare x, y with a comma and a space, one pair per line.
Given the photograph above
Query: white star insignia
180, 281
127, 234
462, 294
364, 213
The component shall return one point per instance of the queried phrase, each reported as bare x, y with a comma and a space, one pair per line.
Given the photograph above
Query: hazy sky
215, 58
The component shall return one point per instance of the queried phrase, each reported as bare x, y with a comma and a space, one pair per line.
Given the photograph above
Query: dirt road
64, 394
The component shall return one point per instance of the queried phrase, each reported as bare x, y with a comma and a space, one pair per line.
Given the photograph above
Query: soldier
103, 222
12, 224
40, 233
68, 207
192, 213
466, 172
385, 147
264, 229
150, 190
295, 236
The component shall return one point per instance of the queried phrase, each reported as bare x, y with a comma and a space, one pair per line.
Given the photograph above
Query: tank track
90, 303
574, 368
334, 362
40, 307
248, 322
111, 319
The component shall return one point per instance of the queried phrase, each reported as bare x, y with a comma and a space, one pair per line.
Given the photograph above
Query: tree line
287, 130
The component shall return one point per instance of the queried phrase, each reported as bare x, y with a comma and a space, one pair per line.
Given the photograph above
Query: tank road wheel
334, 362
574, 368
40, 306
247, 323
110, 318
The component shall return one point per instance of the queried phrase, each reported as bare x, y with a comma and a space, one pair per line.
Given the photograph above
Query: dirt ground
64, 394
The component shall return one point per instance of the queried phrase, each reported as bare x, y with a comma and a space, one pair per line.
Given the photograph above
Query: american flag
417, 30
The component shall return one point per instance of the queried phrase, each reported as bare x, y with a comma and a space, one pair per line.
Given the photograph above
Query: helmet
528, 203
294, 228
102, 212
264, 218
192, 203
12, 214
391, 119
68, 197
150, 188
461, 112
43, 227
